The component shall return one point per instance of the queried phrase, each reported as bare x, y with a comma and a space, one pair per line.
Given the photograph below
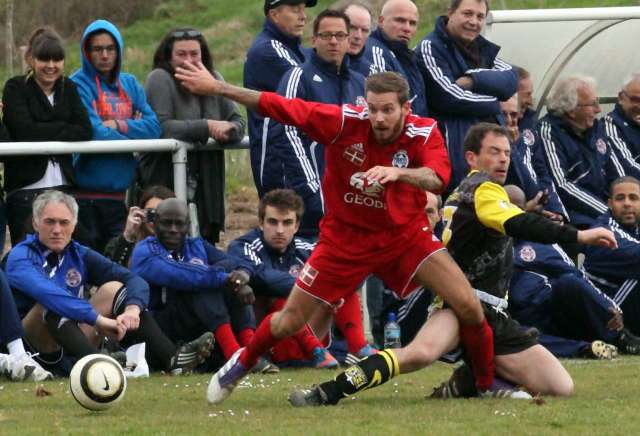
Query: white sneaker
5, 364
25, 368
226, 379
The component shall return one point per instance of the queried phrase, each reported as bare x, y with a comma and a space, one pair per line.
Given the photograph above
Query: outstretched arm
424, 178
197, 79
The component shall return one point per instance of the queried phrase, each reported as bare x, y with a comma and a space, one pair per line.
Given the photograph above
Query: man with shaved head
195, 288
388, 48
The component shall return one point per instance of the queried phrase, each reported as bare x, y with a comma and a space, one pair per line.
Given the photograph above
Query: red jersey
351, 149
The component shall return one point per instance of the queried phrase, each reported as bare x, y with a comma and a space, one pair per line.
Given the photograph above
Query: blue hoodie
111, 172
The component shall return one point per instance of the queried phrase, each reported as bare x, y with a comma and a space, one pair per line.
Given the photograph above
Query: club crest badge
527, 253
360, 101
528, 138
73, 278
400, 159
601, 146
294, 270
196, 261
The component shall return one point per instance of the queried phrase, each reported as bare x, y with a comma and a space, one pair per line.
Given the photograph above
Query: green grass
606, 402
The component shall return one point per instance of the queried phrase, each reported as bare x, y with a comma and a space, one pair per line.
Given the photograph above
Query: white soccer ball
97, 382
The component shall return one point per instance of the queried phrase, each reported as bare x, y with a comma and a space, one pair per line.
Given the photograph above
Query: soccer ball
97, 382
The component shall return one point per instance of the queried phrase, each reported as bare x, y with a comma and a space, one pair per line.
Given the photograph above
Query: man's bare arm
197, 79
424, 178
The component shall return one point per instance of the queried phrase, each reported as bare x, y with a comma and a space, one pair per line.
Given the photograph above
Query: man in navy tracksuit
622, 125
278, 257
617, 272
580, 161
191, 290
361, 22
388, 49
528, 168
527, 118
325, 77
50, 274
465, 80
274, 51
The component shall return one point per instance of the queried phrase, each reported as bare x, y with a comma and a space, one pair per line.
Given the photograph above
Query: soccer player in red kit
379, 161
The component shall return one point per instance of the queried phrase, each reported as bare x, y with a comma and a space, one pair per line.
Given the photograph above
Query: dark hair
620, 180
157, 191
388, 81
44, 44
522, 73
330, 13
455, 4
162, 56
476, 134
281, 199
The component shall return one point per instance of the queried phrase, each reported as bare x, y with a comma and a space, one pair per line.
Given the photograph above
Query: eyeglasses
98, 49
326, 36
595, 103
186, 34
632, 98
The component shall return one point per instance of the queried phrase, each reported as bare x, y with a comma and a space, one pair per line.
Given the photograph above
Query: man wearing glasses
580, 161
388, 48
118, 110
622, 125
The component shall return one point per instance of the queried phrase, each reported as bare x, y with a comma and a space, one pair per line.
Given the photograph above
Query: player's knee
287, 322
563, 387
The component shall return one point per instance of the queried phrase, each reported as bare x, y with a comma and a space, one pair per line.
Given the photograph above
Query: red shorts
343, 259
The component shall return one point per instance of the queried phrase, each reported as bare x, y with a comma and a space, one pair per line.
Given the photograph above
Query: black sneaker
308, 397
628, 343
264, 366
192, 354
461, 384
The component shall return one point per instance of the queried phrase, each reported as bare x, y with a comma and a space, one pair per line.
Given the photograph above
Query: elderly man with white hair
622, 125
580, 161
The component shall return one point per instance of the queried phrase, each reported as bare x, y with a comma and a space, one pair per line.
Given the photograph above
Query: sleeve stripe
617, 143
282, 52
444, 82
558, 174
378, 58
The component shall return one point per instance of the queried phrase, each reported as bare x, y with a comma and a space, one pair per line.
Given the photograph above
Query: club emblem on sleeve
400, 159
308, 274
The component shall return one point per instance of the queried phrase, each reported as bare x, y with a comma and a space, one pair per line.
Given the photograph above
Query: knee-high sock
67, 333
245, 336
226, 339
368, 373
307, 340
477, 340
349, 321
160, 350
262, 341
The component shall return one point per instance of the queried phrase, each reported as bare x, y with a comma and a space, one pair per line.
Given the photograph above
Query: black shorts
509, 336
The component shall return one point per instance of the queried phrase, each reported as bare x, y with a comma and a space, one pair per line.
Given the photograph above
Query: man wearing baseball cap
274, 51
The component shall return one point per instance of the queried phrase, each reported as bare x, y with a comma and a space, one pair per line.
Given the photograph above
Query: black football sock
159, 350
69, 336
368, 373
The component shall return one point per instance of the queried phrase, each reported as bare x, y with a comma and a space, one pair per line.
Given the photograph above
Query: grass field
606, 402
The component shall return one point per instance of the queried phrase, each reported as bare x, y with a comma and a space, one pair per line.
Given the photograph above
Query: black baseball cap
270, 4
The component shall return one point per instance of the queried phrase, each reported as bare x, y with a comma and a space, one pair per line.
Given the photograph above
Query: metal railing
178, 149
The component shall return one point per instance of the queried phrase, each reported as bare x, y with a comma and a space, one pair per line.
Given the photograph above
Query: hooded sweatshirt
119, 98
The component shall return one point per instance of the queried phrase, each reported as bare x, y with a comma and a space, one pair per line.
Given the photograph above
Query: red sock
477, 340
349, 322
262, 341
307, 340
226, 340
245, 336
277, 305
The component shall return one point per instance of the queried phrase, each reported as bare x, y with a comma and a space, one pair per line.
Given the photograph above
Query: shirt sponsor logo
527, 136
354, 198
400, 159
308, 274
196, 261
527, 253
371, 188
73, 278
601, 146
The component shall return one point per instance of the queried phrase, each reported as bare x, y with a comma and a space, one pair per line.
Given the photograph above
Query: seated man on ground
550, 293
19, 364
278, 257
50, 273
479, 224
617, 272
192, 291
